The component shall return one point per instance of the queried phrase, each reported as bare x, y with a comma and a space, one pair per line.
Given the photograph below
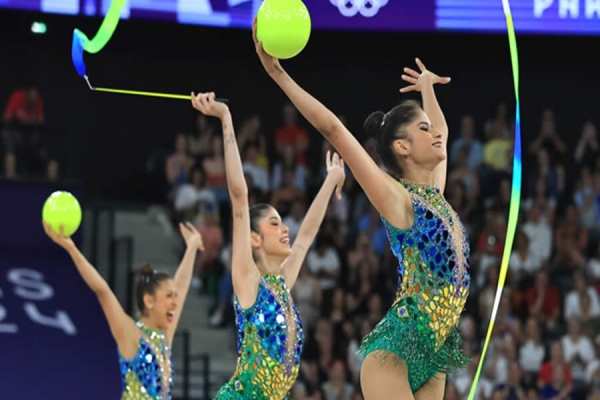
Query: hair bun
146, 270
372, 124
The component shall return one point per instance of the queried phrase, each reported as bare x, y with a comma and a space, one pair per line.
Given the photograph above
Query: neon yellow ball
283, 27
62, 209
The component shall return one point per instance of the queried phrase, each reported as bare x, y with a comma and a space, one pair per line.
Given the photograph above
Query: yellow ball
62, 209
283, 27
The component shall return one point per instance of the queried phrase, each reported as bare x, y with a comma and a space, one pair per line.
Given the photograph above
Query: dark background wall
352, 73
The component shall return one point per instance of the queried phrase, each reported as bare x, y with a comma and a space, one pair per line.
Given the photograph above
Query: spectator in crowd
250, 134
23, 117
291, 133
468, 144
25, 106
549, 139
200, 141
178, 166
10, 166
52, 170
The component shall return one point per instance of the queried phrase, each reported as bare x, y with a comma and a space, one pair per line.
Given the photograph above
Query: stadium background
112, 150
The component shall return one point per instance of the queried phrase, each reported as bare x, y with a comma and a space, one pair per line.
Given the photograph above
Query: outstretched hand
206, 104
63, 241
271, 64
193, 238
418, 80
336, 171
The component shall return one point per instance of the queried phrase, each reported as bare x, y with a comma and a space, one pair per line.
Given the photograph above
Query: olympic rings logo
366, 8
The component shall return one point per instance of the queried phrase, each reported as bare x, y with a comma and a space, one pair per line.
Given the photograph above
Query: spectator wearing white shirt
573, 298
539, 233
532, 352
324, 262
579, 350
193, 198
590, 325
522, 263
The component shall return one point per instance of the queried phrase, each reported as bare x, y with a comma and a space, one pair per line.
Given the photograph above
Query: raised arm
423, 82
122, 326
183, 276
312, 221
245, 274
382, 190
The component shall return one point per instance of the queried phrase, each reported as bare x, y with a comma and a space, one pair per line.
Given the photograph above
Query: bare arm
245, 274
389, 197
244, 271
386, 195
435, 114
308, 231
184, 273
423, 82
122, 326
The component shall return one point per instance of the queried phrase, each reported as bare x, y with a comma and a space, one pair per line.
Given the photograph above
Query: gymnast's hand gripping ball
283, 27
62, 209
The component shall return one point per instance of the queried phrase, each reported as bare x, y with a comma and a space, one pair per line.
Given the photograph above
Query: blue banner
55, 343
54, 339
21, 224
530, 16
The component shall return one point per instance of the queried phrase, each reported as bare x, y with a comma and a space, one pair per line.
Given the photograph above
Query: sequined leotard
148, 375
420, 328
269, 342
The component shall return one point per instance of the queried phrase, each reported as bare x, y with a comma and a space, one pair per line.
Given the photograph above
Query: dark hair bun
146, 270
372, 124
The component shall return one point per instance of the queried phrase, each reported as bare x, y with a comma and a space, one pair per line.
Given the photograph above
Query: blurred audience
547, 331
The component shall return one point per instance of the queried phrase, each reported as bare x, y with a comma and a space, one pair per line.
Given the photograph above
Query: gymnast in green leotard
408, 354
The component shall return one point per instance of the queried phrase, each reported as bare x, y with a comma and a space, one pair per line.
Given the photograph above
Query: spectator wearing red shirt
546, 374
543, 300
25, 107
292, 134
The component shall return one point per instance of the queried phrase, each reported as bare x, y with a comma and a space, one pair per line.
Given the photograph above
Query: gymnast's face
424, 145
274, 237
162, 305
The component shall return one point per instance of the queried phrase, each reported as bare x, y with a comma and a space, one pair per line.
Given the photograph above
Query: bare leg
387, 381
433, 389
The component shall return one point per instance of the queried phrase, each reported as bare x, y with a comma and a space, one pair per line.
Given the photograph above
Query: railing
121, 266
182, 343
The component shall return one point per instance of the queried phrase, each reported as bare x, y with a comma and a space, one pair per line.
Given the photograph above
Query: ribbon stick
146, 94
81, 44
515, 195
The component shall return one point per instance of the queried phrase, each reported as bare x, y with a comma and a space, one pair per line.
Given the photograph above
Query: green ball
283, 27
62, 209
